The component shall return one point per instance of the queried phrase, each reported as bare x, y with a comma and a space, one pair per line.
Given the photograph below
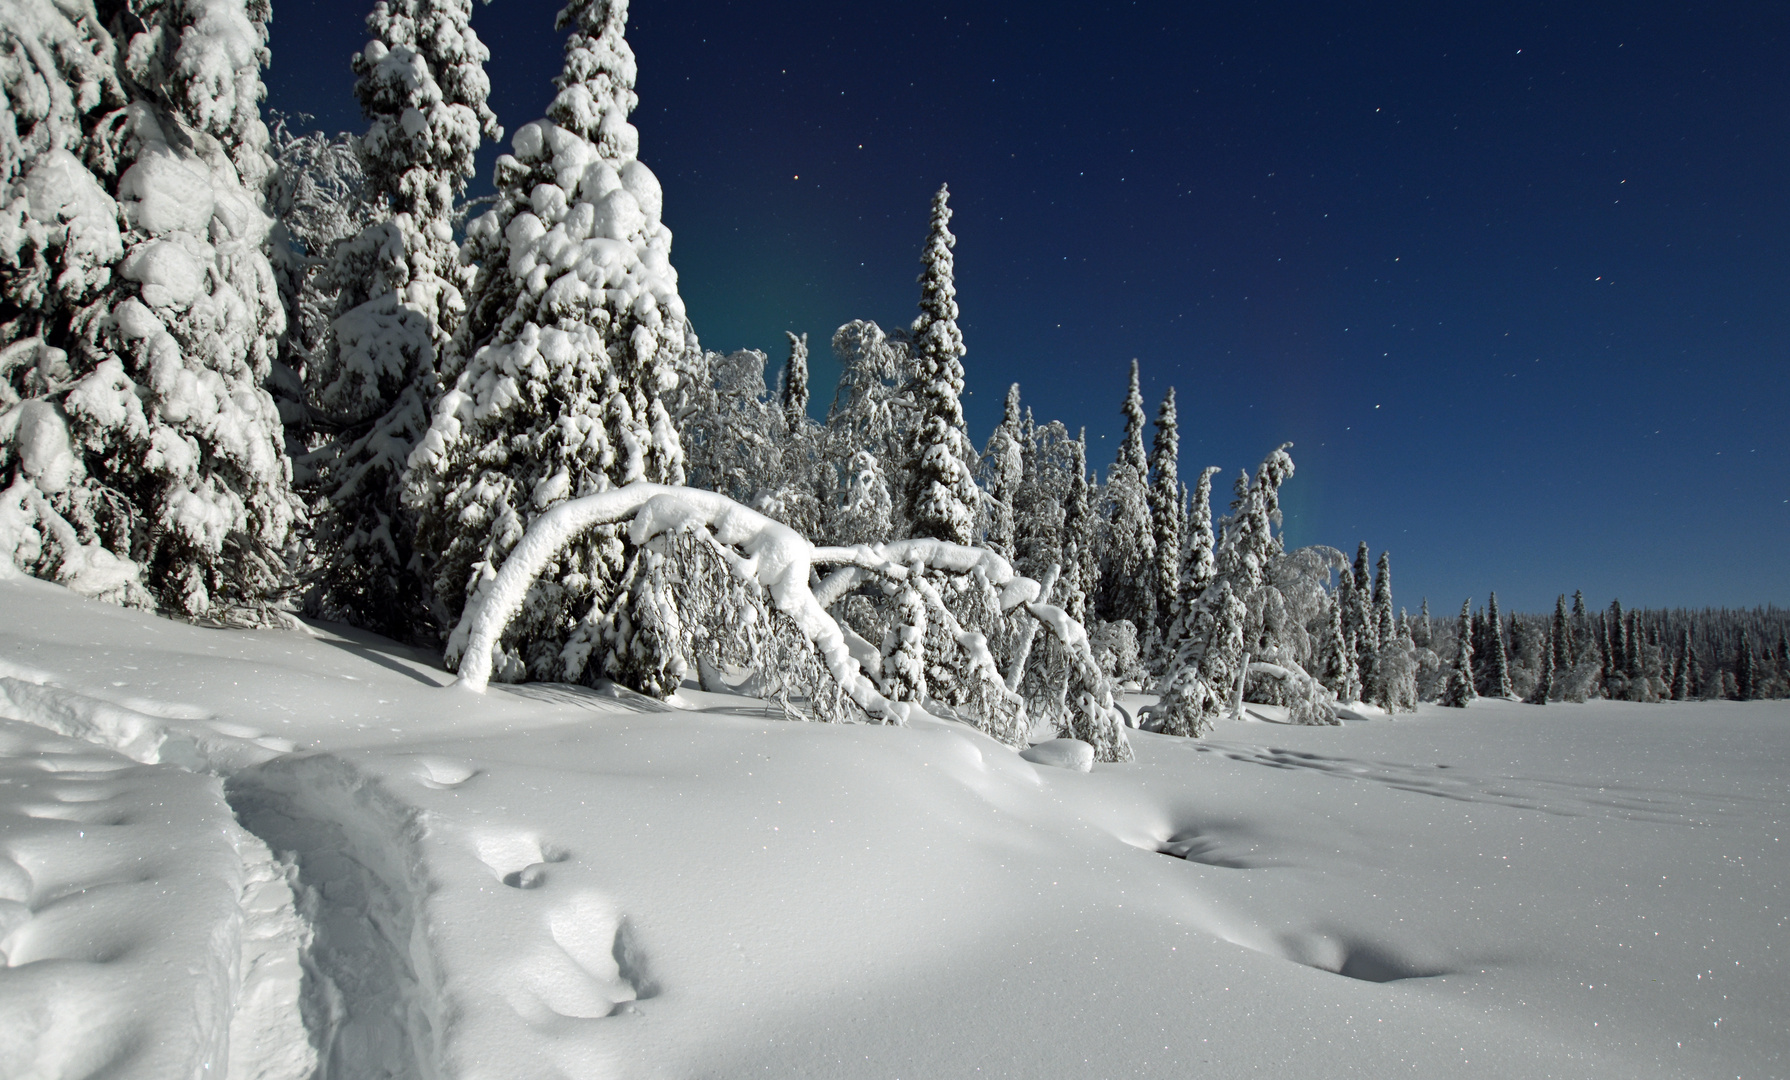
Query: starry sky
1513, 278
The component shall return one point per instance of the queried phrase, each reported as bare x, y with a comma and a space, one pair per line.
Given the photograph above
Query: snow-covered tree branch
778, 560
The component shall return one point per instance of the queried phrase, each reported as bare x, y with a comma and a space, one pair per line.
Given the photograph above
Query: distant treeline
1575, 654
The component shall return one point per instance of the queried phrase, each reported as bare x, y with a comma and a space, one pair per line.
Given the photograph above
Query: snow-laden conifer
574, 335
1497, 662
1127, 573
1081, 538
1615, 647
1401, 667
1040, 507
1211, 654
792, 387
1560, 642
1003, 469
1336, 655
1395, 662
871, 414
318, 199
1746, 673
1459, 692
1359, 621
400, 297
1166, 511
60, 241
736, 439
1198, 561
865, 514
942, 497
1682, 688
170, 448
1544, 674
904, 646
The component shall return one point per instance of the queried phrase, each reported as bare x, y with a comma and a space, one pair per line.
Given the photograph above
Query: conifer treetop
596, 85
422, 83
794, 388
1131, 445
938, 343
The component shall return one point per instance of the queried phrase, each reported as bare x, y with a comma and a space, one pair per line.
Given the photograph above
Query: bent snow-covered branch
776, 559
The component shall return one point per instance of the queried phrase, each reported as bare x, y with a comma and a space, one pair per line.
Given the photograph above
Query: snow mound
1071, 754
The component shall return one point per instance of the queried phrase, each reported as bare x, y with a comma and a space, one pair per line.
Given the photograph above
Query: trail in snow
142, 932
370, 981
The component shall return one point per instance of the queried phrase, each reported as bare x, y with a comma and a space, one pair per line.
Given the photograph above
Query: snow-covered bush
776, 565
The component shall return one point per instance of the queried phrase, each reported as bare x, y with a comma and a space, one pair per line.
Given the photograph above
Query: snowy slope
546, 881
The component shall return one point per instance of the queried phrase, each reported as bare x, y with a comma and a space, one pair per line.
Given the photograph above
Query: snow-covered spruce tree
1497, 664
573, 335
1581, 626
1167, 508
1210, 649
1291, 603
1395, 664
400, 288
1783, 658
318, 198
1003, 470
1746, 672
1127, 583
1040, 507
1544, 674
59, 244
1197, 560
1385, 630
904, 646
1459, 692
1560, 642
1614, 651
867, 424
1401, 668
1682, 688
792, 386
171, 445
1336, 654
1359, 622
1081, 538
942, 497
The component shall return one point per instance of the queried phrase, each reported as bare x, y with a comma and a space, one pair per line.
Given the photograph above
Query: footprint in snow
442, 774
519, 860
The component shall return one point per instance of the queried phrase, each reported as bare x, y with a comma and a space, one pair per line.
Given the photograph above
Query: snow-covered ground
546, 881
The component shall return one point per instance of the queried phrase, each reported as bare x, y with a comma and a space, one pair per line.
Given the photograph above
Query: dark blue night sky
1514, 278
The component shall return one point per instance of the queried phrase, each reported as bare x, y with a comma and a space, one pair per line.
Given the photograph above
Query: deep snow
546, 881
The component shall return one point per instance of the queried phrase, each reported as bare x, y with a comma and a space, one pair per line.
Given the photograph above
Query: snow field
548, 881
